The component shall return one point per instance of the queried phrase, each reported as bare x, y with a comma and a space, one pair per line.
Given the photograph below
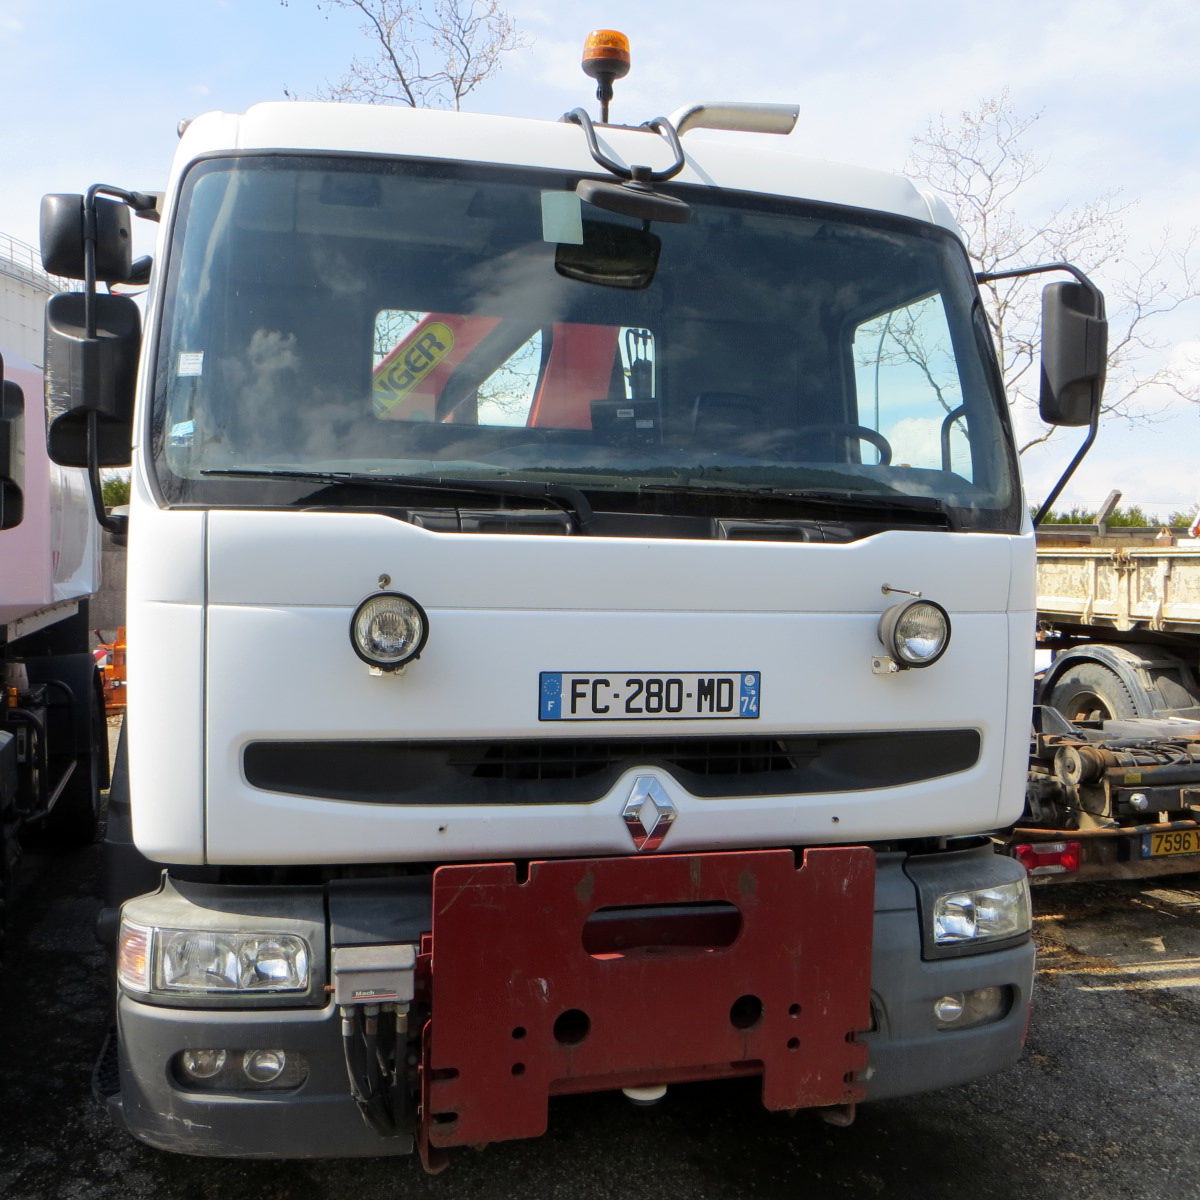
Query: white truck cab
561, 591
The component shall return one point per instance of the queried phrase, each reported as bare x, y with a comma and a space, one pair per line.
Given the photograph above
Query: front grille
579, 759
581, 770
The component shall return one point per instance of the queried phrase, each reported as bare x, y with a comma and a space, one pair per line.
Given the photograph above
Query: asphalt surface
1103, 1104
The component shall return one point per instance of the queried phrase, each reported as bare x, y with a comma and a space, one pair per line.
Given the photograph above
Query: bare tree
985, 171
425, 53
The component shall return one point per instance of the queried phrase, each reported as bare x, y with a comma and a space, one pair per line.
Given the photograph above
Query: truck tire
10, 845
74, 821
1089, 691
10, 852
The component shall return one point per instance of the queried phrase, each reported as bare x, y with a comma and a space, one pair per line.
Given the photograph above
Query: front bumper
906, 1051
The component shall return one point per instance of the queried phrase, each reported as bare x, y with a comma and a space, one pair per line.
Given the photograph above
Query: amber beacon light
605, 59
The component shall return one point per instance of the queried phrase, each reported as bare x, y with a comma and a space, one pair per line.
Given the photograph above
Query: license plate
622, 696
1177, 841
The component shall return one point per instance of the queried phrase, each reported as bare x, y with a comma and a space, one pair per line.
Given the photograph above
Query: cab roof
469, 137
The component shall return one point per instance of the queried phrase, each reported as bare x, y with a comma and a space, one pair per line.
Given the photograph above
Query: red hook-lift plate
782, 997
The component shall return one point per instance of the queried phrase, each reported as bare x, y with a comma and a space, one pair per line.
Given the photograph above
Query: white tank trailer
53, 755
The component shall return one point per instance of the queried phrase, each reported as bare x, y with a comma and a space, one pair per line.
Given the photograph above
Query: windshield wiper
561, 495
822, 499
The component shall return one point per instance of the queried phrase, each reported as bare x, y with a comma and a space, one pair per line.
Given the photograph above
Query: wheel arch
1160, 681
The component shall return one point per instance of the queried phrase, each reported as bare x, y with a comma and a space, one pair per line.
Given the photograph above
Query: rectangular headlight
983, 915
204, 961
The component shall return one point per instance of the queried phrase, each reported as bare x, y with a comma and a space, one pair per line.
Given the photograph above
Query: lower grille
578, 771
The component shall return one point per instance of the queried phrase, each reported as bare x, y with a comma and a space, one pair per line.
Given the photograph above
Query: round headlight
389, 630
915, 633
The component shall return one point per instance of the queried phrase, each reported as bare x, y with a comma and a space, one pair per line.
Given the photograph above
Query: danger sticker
408, 364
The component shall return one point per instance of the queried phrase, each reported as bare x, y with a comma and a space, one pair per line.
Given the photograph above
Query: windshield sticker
562, 218
190, 363
182, 433
408, 364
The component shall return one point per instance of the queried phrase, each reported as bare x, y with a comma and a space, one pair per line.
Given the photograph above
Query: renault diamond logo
648, 813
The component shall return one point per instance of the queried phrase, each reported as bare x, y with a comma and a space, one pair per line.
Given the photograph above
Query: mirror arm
1065, 478
1098, 297
89, 267
140, 202
1083, 280
137, 201
662, 126
110, 524
659, 125
579, 116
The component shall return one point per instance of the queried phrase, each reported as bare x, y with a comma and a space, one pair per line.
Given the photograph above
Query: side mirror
120, 535
62, 238
12, 453
1074, 353
86, 376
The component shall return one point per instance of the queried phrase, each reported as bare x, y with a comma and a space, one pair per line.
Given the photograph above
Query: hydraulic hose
359, 1050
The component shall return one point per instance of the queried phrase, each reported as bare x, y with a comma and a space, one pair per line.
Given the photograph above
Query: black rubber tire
10, 852
1089, 691
74, 821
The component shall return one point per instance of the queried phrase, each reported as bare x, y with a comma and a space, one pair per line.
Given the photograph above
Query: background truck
580, 619
53, 744
1114, 784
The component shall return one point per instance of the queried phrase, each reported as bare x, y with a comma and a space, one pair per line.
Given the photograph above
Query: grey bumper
908, 1051
317, 1120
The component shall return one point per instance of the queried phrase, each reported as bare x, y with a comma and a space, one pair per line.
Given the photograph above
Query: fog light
965, 1010
238, 1072
263, 1066
948, 1009
202, 1064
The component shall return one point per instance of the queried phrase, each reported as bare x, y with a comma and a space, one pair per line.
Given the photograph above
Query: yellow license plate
1176, 841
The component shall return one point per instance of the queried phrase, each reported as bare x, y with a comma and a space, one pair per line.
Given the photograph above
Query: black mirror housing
1074, 353
62, 240
91, 375
610, 256
12, 453
635, 200
139, 272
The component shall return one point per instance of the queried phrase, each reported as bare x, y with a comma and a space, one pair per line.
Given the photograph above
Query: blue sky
93, 93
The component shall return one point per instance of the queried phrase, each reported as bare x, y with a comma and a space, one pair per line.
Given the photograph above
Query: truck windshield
375, 317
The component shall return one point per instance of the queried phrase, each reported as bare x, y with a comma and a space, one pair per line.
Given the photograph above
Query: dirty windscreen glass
382, 317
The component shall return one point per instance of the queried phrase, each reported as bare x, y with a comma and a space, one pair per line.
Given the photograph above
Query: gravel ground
1103, 1103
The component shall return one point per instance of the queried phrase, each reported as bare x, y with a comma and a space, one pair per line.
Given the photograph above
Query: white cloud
916, 441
